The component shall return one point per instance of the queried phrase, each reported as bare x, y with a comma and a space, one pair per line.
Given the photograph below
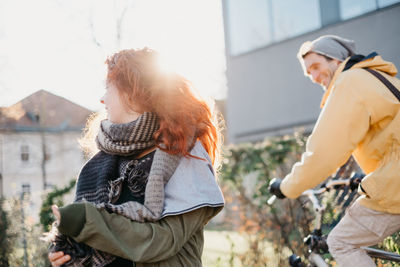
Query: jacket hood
372, 61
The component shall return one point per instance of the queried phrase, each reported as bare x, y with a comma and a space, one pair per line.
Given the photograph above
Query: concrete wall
267, 91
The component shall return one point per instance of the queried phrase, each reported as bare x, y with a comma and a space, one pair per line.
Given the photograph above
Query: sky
61, 45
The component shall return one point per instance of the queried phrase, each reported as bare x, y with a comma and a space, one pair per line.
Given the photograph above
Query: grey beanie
328, 45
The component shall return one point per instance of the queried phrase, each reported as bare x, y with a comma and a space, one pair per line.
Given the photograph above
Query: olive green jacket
192, 198
170, 242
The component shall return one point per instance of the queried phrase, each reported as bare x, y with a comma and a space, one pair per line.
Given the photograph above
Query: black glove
355, 180
275, 188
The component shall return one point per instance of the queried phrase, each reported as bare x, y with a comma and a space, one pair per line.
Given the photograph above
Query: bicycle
316, 242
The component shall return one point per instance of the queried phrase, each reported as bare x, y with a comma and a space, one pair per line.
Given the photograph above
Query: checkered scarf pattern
127, 139
162, 168
95, 186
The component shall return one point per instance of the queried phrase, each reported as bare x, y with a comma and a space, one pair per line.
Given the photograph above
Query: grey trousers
360, 226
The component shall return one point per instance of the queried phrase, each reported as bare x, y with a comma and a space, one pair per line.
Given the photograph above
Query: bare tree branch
92, 33
120, 19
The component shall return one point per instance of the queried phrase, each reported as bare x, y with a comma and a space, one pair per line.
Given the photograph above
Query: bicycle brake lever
271, 200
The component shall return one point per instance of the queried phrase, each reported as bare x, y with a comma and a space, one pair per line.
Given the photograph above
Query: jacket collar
358, 58
330, 87
372, 60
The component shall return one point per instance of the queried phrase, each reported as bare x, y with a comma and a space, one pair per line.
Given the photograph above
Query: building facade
268, 93
39, 146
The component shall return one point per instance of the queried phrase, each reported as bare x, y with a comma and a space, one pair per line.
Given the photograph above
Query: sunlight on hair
87, 141
167, 64
172, 61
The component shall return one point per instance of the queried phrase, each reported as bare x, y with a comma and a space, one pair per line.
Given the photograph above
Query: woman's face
117, 112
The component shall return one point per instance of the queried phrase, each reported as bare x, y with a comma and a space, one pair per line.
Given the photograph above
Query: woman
145, 197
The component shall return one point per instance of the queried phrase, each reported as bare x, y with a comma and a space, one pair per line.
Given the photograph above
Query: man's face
320, 69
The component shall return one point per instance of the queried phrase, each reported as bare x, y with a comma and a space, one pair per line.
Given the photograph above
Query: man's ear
337, 62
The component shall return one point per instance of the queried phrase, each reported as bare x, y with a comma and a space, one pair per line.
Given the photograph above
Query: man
361, 117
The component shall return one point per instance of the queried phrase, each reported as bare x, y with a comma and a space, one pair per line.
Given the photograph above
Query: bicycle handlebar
311, 193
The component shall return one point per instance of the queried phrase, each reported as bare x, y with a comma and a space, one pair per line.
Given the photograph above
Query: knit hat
328, 45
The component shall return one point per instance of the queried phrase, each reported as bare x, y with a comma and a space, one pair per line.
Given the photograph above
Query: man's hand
355, 180
275, 188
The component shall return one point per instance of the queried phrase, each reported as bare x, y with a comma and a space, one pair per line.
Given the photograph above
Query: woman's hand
56, 213
58, 258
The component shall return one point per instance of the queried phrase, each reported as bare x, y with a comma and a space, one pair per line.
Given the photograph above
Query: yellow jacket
360, 116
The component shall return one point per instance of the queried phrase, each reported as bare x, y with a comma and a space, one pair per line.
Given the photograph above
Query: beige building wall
65, 159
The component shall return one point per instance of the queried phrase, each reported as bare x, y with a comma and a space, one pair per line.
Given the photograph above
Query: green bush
287, 222
5, 239
53, 197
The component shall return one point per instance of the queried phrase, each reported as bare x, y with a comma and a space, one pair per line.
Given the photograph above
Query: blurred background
265, 80
241, 53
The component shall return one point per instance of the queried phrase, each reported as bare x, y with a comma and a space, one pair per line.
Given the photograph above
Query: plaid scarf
100, 182
129, 138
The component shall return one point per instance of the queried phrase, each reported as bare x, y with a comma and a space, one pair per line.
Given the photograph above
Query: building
39, 145
267, 91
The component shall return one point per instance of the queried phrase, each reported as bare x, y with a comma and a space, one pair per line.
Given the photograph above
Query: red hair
183, 116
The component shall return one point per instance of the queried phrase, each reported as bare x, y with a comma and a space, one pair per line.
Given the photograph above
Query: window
24, 152
354, 8
256, 23
47, 155
248, 25
49, 185
26, 188
385, 3
292, 17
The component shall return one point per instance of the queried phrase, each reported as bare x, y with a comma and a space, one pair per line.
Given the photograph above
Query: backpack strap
388, 84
